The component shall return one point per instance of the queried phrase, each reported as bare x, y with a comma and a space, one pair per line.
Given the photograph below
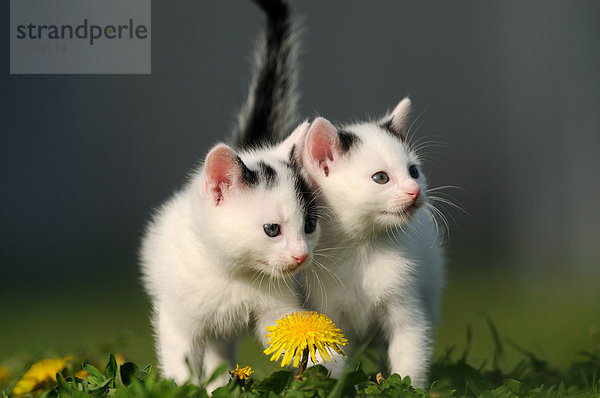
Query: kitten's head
258, 211
367, 174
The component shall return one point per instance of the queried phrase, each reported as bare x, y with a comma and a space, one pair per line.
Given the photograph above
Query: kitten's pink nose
412, 189
300, 258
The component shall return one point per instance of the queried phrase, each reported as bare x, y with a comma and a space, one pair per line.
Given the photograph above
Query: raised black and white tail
270, 109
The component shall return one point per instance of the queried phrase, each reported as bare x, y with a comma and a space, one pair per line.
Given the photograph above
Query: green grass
543, 322
551, 314
453, 377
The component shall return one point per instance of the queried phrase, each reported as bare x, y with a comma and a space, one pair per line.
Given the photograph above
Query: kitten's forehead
258, 172
281, 177
371, 139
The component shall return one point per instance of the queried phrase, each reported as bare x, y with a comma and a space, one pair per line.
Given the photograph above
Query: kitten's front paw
218, 382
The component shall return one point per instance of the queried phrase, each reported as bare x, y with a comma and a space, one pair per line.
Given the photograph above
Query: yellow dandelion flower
242, 373
81, 374
304, 331
40, 373
4, 374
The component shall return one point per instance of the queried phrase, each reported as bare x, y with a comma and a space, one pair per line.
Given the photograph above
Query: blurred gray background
511, 89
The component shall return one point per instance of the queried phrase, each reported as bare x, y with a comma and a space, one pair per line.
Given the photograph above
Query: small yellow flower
81, 374
40, 373
242, 373
299, 331
4, 374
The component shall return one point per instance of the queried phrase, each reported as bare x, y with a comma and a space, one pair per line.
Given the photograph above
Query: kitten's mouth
292, 267
403, 213
286, 269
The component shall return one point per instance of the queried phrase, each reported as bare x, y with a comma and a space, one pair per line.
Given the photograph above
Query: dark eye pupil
380, 177
310, 225
414, 172
272, 230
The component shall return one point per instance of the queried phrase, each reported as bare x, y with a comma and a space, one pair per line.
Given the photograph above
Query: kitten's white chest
369, 278
381, 274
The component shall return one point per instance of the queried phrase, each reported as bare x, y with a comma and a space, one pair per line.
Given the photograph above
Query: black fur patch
347, 140
274, 79
303, 192
262, 174
292, 157
387, 126
249, 177
268, 172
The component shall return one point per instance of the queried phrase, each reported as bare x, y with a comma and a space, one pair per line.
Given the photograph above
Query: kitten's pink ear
322, 144
223, 170
397, 121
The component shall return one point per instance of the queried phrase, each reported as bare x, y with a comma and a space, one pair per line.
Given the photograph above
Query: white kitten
216, 257
380, 259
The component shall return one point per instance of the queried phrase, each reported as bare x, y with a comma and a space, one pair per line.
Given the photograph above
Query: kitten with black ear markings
218, 256
379, 259
379, 255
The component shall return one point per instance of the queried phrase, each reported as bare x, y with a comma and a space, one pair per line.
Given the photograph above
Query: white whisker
448, 202
410, 132
330, 272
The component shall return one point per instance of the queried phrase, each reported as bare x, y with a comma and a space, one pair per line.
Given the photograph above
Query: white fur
373, 269
212, 272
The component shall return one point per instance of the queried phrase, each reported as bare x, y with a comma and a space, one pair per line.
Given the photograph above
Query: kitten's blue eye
414, 172
272, 230
380, 177
310, 225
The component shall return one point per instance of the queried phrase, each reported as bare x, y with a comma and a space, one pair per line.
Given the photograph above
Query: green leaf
94, 381
276, 383
103, 385
217, 373
498, 348
62, 383
93, 371
295, 394
226, 392
468, 342
513, 386
49, 394
355, 377
111, 367
395, 380
316, 369
140, 389
406, 381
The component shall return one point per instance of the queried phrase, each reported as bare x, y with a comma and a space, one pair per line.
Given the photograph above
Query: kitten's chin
398, 216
